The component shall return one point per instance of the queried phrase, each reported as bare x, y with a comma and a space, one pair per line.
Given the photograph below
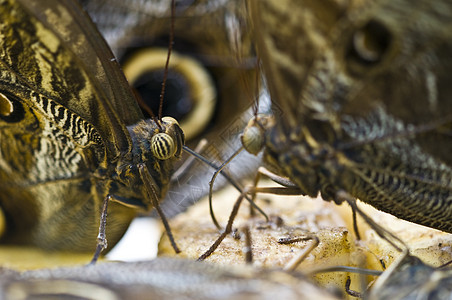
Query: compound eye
163, 146
252, 139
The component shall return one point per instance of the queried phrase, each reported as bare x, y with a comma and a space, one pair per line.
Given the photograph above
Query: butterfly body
361, 99
70, 131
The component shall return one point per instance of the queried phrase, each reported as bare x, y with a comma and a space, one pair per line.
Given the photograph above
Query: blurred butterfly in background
161, 278
364, 88
71, 132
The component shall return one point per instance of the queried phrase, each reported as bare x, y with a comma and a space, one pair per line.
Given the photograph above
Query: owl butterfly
363, 91
360, 98
71, 132
161, 278
212, 72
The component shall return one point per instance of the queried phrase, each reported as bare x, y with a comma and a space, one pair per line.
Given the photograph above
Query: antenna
170, 49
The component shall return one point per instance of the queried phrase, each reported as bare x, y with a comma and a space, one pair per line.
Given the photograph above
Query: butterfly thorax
306, 159
155, 147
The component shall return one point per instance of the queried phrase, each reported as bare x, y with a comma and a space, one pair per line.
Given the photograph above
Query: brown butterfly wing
365, 82
410, 79
149, 280
316, 73
290, 36
113, 105
59, 127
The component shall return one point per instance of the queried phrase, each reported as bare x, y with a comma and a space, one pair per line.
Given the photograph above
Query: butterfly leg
228, 178
235, 209
228, 228
285, 182
382, 232
149, 184
296, 260
247, 249
341, 196
288, 189
101, 237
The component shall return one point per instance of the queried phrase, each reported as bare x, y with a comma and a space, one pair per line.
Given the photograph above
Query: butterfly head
169, 141
156, 146
253, 136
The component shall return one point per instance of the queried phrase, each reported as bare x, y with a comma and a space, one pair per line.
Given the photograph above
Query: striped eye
162, 146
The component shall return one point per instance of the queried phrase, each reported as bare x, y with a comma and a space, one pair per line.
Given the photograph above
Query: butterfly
363, 94
212, 72
410, 277
71, 132
162, 278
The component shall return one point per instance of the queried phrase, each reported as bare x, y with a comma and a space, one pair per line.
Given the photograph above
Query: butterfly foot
101, 246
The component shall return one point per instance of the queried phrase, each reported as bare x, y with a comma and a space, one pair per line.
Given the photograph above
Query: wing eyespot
11, 109
190, 97
368, 46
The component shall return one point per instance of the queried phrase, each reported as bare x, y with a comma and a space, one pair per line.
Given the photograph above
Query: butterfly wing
405, 78
320, 67
288, 43
367, 83
91, 57
58, 125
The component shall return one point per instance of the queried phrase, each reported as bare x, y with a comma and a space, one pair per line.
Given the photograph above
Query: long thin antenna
257, 90
225, 175
170, 49
143, 104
